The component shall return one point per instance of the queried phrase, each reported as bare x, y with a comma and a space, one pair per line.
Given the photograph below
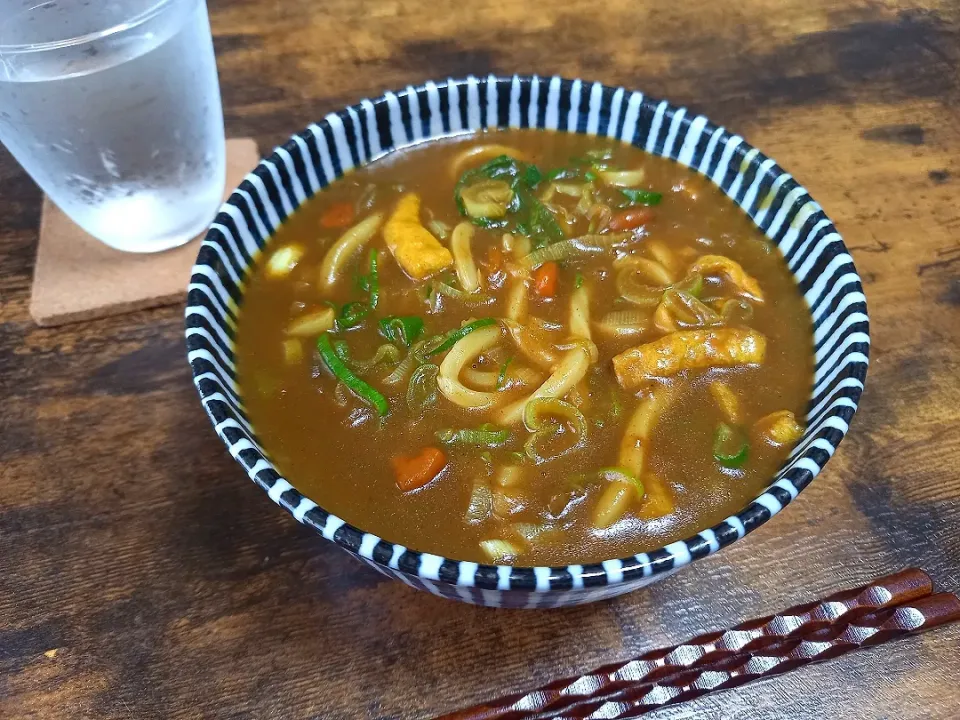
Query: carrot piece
417, 470
545, 279
337, 215
631, 218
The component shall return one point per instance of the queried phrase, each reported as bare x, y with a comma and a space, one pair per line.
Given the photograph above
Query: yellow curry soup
525, 347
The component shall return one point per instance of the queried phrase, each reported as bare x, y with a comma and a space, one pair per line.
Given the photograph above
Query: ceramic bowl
317, 156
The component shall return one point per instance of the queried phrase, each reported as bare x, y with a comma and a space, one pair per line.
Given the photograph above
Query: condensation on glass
114, 110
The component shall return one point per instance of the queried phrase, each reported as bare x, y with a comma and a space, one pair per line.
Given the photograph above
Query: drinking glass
113, 107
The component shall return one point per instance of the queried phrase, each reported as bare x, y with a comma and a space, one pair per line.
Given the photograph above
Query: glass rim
151, 12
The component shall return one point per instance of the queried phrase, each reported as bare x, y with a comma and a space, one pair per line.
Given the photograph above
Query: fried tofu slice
727, 400
688, 350
417, 251
779, 428
732, 270
658, 499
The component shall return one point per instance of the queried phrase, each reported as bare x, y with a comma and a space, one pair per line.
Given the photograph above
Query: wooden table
141, 576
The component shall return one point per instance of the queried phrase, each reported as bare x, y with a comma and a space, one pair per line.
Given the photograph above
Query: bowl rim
781, 208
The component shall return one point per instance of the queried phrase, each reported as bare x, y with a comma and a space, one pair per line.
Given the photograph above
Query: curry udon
525, 347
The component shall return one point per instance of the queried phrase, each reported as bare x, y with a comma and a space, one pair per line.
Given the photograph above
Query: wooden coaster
77, 277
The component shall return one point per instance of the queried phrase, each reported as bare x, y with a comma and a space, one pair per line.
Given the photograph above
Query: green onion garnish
450, 339
352, 314
402, 329
502, 375
344, 374
485, 436
642, 197
730, 446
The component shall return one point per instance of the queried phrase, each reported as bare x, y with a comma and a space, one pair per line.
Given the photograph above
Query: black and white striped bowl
323, 152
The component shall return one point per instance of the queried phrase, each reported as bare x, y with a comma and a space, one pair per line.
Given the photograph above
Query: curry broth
341, 456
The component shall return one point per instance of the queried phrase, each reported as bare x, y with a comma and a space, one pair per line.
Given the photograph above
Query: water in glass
114, 110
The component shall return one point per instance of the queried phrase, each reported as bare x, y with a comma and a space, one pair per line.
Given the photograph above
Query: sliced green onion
342, 350
593, 164
450, 339
598, 155
615, 474
532, 176
486, 436
502, 375
688, 311
572, 248
499, 167
692, 285
352, 314
401, 371
438, 228
544, 418
489, 223
563, 174
344, 374
371, 282
403, 329
538, 410
642, 197
590, 176
625, 322
578, 281
422, 391
730, 446
557, 252
385, 354
542, 222
450, 291
642, 281
586, 202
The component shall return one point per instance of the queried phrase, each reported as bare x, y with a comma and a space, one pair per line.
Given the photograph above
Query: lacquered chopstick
708, 649
913, 617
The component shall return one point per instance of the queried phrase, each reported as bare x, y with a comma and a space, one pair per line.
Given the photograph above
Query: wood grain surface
142, 576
